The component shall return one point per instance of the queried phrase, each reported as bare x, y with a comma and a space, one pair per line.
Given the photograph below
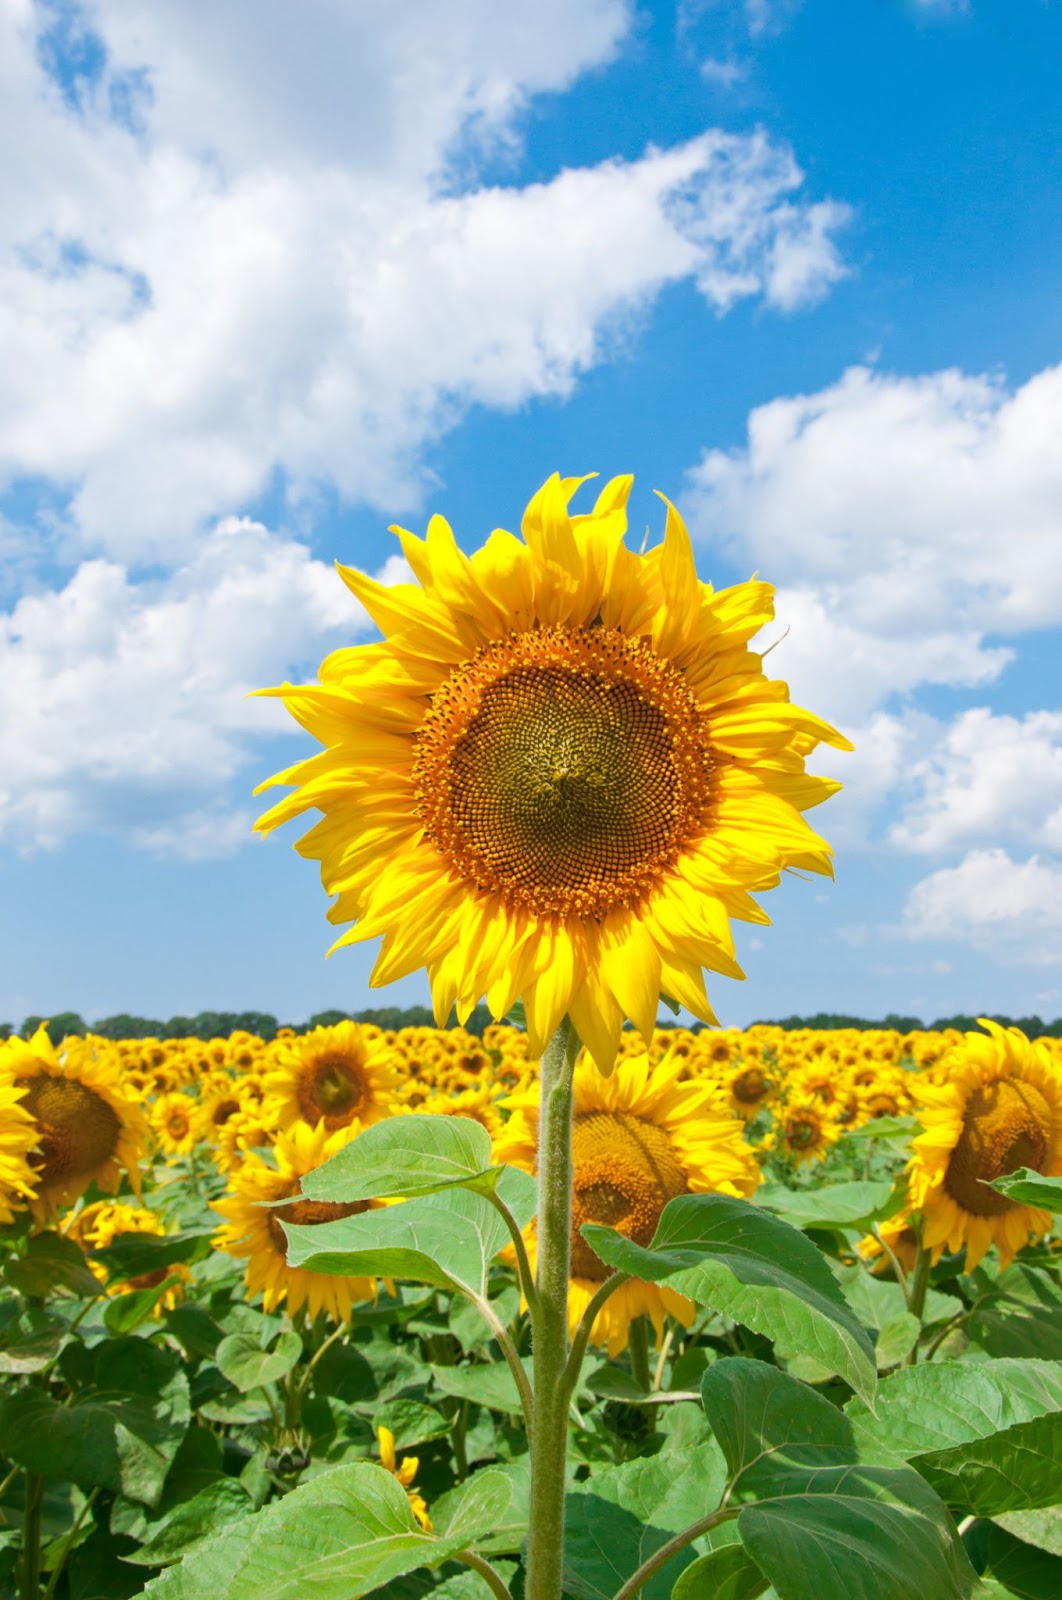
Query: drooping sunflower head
88, 1129
997, 1108
558, 775
254, 1231
640, 1138
339, 1075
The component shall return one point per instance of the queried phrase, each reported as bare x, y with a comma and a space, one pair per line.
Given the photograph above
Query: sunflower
405, 1475
177, 1122
750, 1088
558, 775
806, 1129
998, 1108
640, 1138
96, 1226
253, 1230
18, 1140
340, 1076
88, 1129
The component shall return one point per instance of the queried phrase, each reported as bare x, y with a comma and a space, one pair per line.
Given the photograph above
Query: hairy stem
512, 1356
660, 1557
586, 1327
549, 1319
916, 1296
494, 1580
523, 1265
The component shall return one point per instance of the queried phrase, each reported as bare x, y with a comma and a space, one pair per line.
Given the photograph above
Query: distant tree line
219, 1024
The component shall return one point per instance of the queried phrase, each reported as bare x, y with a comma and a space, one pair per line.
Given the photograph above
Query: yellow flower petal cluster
640, 1138
559, 775
405, 1474
18, 1140
997, 1107
342, 1076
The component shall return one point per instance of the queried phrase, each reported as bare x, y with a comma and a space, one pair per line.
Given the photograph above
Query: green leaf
410, 1155
622, 1516
30, 1340
411, 1422
857, 1533
1030, 1188
134, 1255
987, 1435
489, 1384
1041, 1528
727, 1572
1024, 1570
769, 1424
193, 1522
337, 1537
447, 1239
507, 1529
754, 1269
245, 1364
836, 1205
896, 1339
127, 1312
884, 1128
50, 1262
122, 1435
879, 1301
1021, 1317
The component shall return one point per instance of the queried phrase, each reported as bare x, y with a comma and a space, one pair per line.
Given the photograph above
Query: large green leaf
447, 1239
134, 1255
1030, 1188
622, 1516
987, 1435
1042, 1528
508, 1527
52, 1261
769, 1424
727, 1572
857, 1533
489, 1383
30, 1338
1021, 1316
242, 1360
753, 1268
193, 1522
835, 1205
409, 1155
122, 1435
338, 1537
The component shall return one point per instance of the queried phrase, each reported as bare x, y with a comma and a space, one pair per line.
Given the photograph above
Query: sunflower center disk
564, 768
79, 1130
626, 1171
333, 1088
1007, 1125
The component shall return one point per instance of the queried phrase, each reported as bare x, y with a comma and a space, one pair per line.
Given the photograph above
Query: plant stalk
30, 1586
549, 1319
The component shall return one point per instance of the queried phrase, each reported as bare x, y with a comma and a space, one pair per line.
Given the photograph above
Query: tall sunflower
558, 775
253, 1230
639, 1139
340, 1076
89, 1130
997, 1107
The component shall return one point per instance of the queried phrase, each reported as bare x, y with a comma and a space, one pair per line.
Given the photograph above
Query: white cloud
905, 518
278, 270
122, 703
994, 903
986, 779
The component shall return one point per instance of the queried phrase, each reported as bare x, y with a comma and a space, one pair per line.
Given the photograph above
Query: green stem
549, 1319
916, 1296
512, 1356
68, 1542
660, 1557
639, 1348
585, 1328
494, 1580
523, 1265
30, 1586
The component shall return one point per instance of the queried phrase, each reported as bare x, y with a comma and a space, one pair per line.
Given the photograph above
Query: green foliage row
220, 1024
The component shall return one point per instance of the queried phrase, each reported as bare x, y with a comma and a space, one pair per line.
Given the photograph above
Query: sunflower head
87, 1128
558, 775
338, 1075
998, 1108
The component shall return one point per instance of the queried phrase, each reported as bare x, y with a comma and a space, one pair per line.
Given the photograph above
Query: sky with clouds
274, 277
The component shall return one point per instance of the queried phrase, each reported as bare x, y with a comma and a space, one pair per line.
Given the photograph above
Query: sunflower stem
30, 1585
549, 1319
639, 1347
916, 1300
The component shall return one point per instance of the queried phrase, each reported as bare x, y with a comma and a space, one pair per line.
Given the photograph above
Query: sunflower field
224, 1340
582, 1309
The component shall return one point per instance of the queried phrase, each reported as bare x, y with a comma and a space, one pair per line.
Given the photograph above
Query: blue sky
268, 288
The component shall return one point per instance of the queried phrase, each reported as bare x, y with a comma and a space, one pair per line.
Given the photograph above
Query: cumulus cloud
992, 902
279, 259
906, 519
122, 703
